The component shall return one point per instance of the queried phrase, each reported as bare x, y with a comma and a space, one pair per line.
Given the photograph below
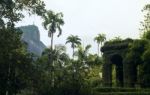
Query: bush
120, 91
117, 89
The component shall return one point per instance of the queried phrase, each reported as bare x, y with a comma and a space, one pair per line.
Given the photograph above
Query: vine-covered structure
125, 56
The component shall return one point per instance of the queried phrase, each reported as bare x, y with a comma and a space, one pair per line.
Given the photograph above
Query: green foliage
94, 76
100, 39
54, 73
94, 59
11, 10
69, 78
146, 23
120, 91
136, 49
146, 35
14, 61
53, 22
116, 39
146, 54
117, 89
75, 41
144, 74
82, 53
116, 45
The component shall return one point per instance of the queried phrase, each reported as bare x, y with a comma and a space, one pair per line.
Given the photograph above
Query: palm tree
59, 54
100, 39
82, 53
75, 41
59, 62
53, 22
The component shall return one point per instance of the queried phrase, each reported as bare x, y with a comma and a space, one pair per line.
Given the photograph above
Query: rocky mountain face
31, 36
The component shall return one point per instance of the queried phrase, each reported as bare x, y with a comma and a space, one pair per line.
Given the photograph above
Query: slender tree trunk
98, 49
73, 53
52, 62
101, 46
8, 80
52, 41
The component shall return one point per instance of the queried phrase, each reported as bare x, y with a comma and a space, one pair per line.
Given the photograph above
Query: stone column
119, 75
107, 73
130, 74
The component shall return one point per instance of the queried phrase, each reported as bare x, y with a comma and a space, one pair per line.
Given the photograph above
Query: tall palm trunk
73, 52
52, 62
101, 46
52, 37
8, 80
98, 48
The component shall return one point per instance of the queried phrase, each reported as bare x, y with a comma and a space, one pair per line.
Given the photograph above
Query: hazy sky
87, 18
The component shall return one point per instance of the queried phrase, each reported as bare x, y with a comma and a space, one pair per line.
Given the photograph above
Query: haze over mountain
31, 36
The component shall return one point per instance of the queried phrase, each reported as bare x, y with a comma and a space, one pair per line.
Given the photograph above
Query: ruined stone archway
113, 54
118, 63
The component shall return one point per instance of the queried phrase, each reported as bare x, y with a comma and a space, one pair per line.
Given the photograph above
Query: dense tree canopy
11, 10
55, 73
14, 61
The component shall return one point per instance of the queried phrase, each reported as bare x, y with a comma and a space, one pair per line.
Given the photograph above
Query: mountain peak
31, 36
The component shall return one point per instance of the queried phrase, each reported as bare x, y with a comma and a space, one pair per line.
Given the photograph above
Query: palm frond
60, 30
88, 47
52, 22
